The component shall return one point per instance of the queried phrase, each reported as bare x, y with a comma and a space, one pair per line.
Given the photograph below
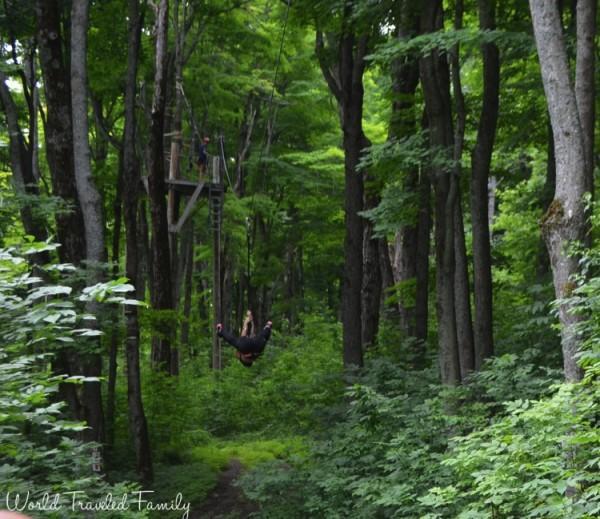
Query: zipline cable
249, 242
269, 111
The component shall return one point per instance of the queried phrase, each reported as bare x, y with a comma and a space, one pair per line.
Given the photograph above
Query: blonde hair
248, 326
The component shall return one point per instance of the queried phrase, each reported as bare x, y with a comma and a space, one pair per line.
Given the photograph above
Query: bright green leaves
38, 452
521, 465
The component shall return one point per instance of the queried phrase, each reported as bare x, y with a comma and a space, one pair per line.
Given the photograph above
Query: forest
299, 259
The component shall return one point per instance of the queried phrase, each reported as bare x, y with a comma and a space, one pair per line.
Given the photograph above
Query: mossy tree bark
565, 221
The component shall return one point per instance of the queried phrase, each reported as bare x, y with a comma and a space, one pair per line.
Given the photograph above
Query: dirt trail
226, 501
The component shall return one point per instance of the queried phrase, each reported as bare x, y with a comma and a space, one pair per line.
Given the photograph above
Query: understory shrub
397, 452
40, 450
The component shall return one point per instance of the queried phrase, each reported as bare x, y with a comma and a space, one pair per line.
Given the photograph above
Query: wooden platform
188, 187
194, 190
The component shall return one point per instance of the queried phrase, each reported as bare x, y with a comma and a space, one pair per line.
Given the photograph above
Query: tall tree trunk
372, 280
351, 69
344, 78
116, 329
436, 89
89, 197
564, 222
131, 182
545, 199
480, 160
91, 203
251, 112
179, 25
585, 87
58, 134
387, 276
403, 124
218, 274
58, 130
162, 293
21, 161
144, 254
187, 290
91, 206
462, 294
422, 272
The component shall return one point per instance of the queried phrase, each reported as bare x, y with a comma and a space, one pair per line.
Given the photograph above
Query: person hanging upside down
248, 348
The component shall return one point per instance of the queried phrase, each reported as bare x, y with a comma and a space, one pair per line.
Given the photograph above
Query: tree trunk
436, 90
162, 293
405, 79
352, 99
462, 295
387, 278
480, 160
116, 327
585, 88
422, 272
131, 182
21, 161
187, 291
144, 254
564, 222
545, 199
174, 164
372, 281
217, 286
245, 139
58, 134
91, 203
59, 131
345, 82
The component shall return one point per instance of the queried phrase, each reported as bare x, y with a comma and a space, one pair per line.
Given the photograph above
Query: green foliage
39, 450
295, 377
193, 480
470, 38
248, 451
522, 465
398, 208
385, 457
518, 239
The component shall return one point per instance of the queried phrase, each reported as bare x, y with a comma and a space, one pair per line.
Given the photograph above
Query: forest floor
226, 501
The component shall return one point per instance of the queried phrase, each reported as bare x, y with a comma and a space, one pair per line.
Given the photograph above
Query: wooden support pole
173, 175
216, 202
175, 228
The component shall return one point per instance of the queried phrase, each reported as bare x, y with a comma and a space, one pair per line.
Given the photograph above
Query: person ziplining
248, 346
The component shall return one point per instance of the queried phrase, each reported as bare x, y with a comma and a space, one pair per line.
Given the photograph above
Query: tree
89, 197
161, 293
480, 163
131, 179
436, 90
403, 123
565, 220
462, 290
58, 130
22, 165
343, 72
20, 53
91, 204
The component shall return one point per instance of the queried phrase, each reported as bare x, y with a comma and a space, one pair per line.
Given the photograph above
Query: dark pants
254, 345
